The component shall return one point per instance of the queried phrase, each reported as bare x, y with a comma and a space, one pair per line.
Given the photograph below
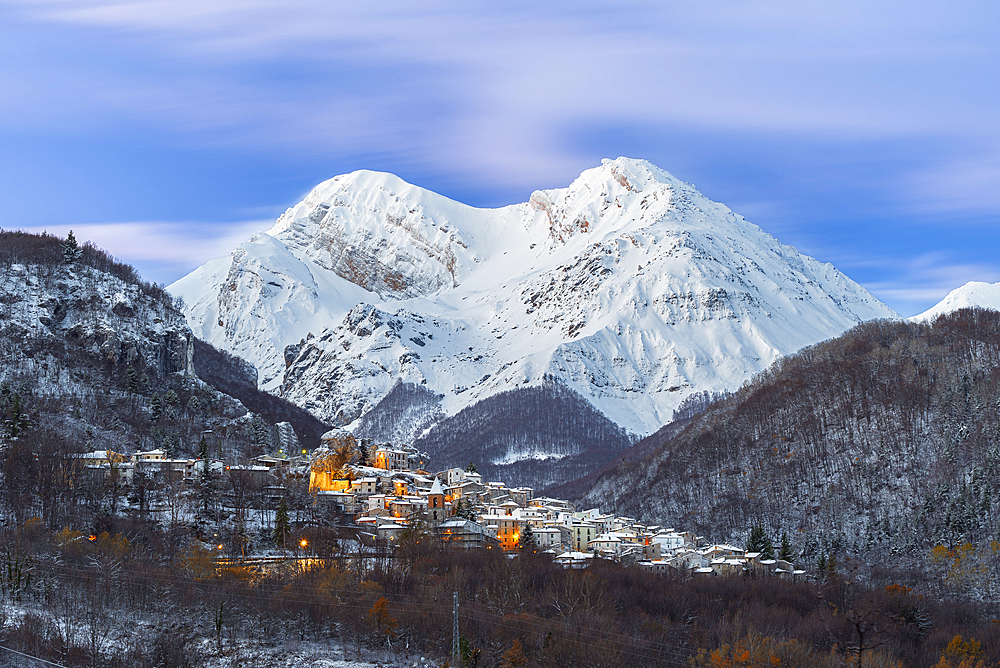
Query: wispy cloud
163, 250
489, 97
490, 88
968, 184
918, 283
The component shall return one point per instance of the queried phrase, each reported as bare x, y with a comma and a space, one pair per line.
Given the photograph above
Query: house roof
454, 523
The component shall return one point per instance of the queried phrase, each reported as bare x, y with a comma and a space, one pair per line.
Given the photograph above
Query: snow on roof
436, 488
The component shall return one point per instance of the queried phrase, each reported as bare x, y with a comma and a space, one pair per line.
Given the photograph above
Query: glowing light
219, 546
304, 542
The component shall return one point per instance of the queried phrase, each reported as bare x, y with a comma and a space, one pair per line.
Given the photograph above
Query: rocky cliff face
105, 316
629, 288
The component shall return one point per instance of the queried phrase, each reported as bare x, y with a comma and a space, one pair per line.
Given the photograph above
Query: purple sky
866, 134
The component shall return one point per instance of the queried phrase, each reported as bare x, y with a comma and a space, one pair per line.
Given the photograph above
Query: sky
864, 133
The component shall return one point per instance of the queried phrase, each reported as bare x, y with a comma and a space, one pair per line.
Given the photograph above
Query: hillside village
386, 494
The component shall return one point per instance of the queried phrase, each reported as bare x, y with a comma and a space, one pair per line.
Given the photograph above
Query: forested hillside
882, 445
94, 358
238, 378
536, 436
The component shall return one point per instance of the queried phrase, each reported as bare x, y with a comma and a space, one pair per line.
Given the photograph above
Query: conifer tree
282, 524
71, 251
786, 551
465, 510
526, 541
758, 541
208, 482
155, 407
133, 379
17, 421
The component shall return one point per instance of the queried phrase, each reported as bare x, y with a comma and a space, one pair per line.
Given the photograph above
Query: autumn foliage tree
382, 624
962, 654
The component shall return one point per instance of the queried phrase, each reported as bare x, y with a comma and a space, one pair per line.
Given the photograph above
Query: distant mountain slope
536, 436
238, 378
402, 416
973, 293
629, 288
885, 440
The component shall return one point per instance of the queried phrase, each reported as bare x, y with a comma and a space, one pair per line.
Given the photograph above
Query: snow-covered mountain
628, 287
973, 293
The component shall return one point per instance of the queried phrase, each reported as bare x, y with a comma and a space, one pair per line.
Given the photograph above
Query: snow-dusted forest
878, 446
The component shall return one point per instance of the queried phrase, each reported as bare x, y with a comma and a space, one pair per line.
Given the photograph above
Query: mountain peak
973, 293
628, 286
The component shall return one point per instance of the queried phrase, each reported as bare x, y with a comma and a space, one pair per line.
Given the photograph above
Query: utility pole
454, 631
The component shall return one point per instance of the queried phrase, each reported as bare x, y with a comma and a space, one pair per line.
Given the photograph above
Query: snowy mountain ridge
973, 293
629, 287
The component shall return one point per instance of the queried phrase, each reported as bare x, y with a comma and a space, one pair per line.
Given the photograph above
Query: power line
29, 656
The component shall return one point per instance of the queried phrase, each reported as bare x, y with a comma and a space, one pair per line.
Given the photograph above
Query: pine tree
155, 407
133, 379
465, 510
526, 541
71, 251
17, 421
786, 551
207, 492
282, 524
759, 542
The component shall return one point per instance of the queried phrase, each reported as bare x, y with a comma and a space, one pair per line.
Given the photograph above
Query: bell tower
435, 502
